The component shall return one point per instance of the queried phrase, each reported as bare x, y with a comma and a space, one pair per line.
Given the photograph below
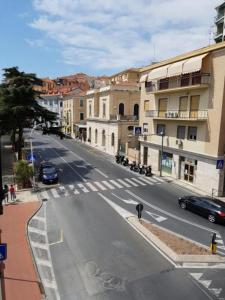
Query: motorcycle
148, 171
117, 157
132, 166
141, 169
126, 162
136, 168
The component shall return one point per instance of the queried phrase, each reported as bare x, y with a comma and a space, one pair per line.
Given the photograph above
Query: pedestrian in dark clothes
6, 193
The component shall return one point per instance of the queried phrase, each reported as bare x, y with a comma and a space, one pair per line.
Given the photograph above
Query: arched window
112, 139
103, 138
96, 136
89, 134
121, 109
136, 111
89, 110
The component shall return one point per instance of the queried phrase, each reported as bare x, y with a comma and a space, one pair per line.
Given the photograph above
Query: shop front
188, 169
167, 162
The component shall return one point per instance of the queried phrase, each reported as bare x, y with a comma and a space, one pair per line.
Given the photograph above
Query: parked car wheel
183, 205
211, 218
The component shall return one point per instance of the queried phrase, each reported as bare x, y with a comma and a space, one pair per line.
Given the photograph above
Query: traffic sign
31, 158
3, 251
219, 164
137, 130
139, 209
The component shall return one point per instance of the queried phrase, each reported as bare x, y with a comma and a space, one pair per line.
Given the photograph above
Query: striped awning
176, 68
193, 64
158, 73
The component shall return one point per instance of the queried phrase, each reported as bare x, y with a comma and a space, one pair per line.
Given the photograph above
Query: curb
176, 258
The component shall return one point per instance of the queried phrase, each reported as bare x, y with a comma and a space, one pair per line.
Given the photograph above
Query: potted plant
24, 172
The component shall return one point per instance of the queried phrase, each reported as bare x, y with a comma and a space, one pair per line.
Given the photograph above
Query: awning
176, 68
143, 78
193, 64
158, 73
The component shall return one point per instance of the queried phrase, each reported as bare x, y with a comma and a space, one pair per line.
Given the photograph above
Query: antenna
211, 29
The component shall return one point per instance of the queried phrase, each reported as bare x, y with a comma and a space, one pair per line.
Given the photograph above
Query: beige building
182, 113
112, 112
74, 113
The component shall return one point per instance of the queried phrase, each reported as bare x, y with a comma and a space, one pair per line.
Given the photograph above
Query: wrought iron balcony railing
176, 114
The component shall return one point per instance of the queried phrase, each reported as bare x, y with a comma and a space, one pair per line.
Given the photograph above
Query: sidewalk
20, 280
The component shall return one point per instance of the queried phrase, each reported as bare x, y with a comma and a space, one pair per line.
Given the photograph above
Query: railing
178, 82
124, 118
218, 17
176, 114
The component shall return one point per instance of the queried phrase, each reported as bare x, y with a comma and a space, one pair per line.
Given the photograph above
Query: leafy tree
18, 104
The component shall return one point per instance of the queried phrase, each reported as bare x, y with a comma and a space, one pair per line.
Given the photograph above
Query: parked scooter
117, 157
141, 169
136, 168
132, 166
126, 162
148, 171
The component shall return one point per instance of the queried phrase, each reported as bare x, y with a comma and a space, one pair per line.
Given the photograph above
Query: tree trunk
20, 143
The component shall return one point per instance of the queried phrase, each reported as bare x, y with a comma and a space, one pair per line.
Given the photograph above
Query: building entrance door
189, 172
145, 156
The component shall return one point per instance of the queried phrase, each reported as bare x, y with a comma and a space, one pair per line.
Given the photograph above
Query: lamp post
31, 150
161, 156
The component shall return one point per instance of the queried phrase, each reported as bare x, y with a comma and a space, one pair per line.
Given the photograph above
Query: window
148, 86
194, 106
181, 132
145, 127
161, 128
136, 111
196, 78
89, 110
89, 134
103, 138
81, 102
192, 133
121, 109
55, 101
96, 136
103, 109
185, 79
61, 104
146, 105
162, 107
163, 83
81, 116
113, 139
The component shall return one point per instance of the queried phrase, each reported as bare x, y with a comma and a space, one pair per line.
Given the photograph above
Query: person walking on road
12, 192
6, 193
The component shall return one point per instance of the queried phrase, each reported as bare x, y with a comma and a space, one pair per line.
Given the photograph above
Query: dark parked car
48, 173
212, 209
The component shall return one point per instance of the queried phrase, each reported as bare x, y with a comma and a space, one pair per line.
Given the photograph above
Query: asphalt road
94, 251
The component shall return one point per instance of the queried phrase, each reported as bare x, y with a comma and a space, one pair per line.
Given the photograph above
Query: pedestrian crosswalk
98, 186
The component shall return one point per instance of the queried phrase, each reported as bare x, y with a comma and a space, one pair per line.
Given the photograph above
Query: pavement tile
21, 280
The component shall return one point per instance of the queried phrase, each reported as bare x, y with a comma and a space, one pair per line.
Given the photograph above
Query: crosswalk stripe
146, 180
108, 185
152, 179
124, 183
76, 192
64, 191
44, 195
100, 186
71, 186
131, 182
116, 183
92, 187
83, 188
159, 179
138, 181
54, 193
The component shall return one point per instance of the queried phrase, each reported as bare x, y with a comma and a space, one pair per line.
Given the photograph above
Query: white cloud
104, 35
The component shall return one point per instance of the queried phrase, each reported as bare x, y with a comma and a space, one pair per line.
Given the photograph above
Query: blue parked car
48, 173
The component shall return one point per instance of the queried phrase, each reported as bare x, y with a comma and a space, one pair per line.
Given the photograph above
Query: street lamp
31, 150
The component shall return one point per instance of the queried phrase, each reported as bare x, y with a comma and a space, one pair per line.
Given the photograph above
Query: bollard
213, 245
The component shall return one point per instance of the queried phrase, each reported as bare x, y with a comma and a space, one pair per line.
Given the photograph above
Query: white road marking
170, 214
100, 172
156, 217
83, 188
128, 201
146, 180
116, 183
124, 183
76, 192
41, 219
205, 283
131, 182
159, 179
152, 179
54, 193
196, 276
216, 291
92, 187
138, 181
219, 241
71, 186
99, 185
35, 230
63, 190
44, 195
221, 247
39, 245
108, 185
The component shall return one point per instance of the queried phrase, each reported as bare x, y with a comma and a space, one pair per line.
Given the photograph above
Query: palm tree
18, 104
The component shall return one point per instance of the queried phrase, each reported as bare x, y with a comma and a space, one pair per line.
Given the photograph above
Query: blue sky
60, 37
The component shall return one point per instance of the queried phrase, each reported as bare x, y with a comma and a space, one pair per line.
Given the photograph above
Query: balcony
123, 118
181, 83
193, 115
219, 17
